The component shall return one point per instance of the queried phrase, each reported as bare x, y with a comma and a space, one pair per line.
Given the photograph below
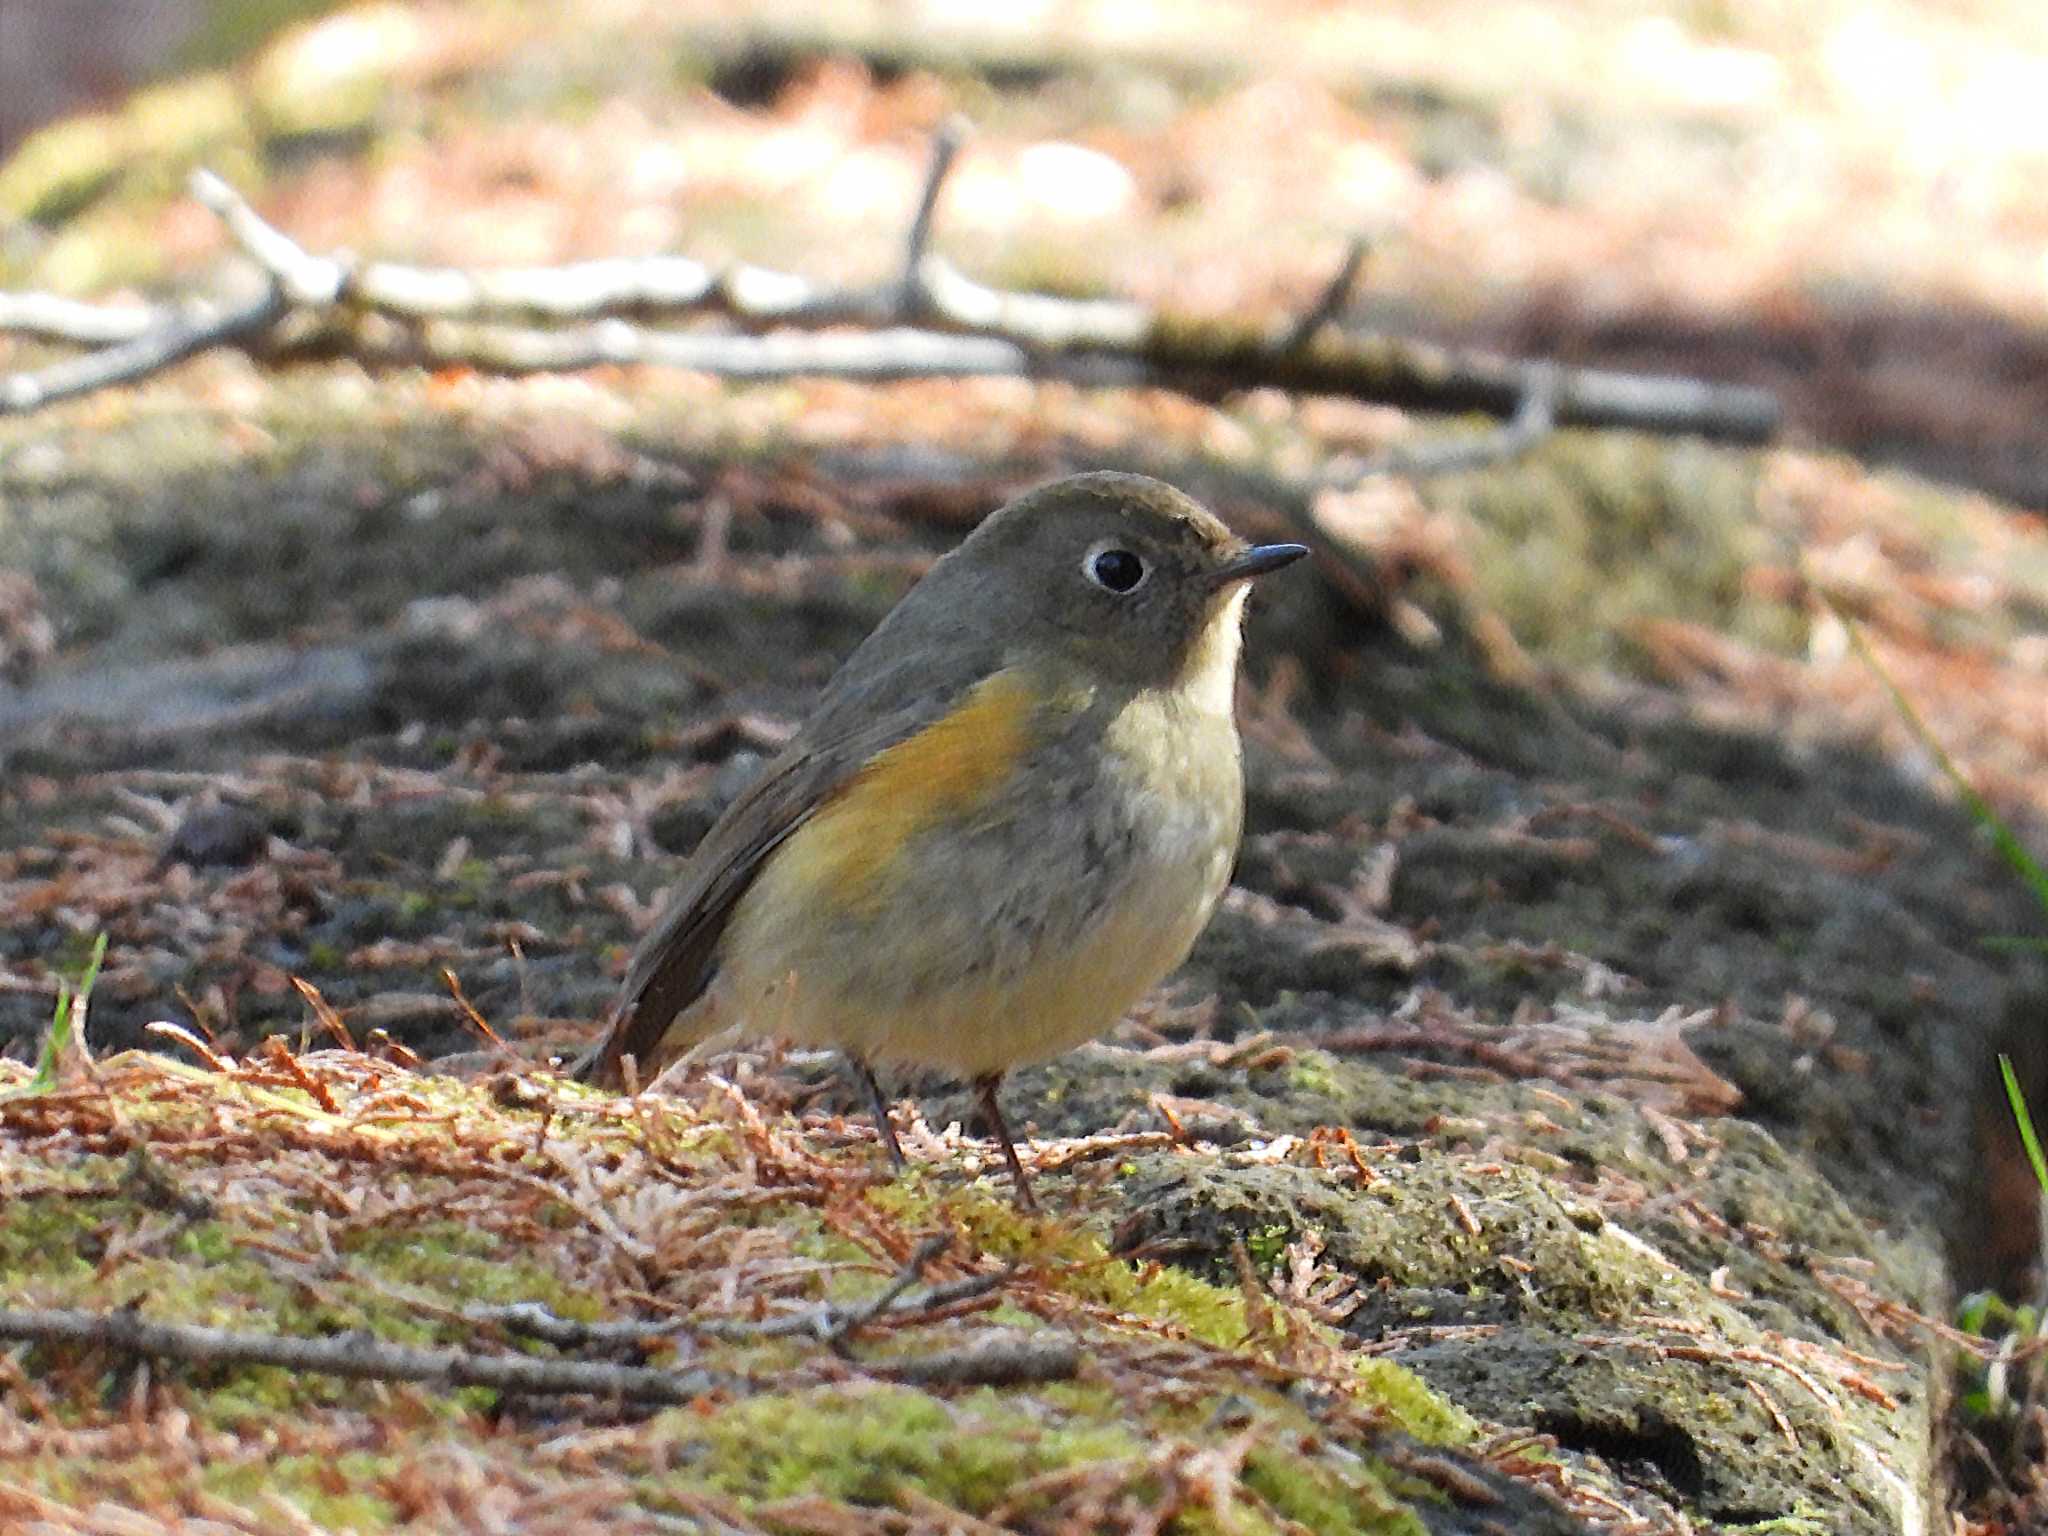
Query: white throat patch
1212, 669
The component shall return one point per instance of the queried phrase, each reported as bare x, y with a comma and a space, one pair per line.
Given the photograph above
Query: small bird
1010, 814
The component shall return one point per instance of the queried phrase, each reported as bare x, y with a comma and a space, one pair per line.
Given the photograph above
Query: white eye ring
1099, 567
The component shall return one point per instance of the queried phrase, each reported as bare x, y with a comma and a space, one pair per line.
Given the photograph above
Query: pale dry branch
930, 320
304, 278
533, 1320
46, 317
174, 336
866, 356
829, 1324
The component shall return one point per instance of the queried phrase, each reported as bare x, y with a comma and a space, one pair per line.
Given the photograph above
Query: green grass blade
66, 1022
56, 1041
92, 973
2023, 1120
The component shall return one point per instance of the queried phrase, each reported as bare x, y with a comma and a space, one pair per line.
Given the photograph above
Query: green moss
54, 1250
1076, 1260
1324, 1497
175, 125
1579, 543
332, 1491
307, 84
1407, 1231
869, 1447
229, 30
48, 1244
1415, 1406
457, 1260
866, 1447
1079, 1262
1311, 1072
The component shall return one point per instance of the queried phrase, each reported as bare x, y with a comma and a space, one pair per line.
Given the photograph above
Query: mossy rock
1521, 1301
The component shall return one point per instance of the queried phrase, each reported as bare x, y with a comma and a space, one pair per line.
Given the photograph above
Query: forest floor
1580, 1111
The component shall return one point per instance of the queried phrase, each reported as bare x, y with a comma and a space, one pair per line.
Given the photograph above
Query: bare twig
964, 328
46, 317
843, 1322
835, 1325
996, 1357
1534, 419
191, 328
999, 1358
357, 1356
305, 279
1331, 301
533, 1320
946, 142
830, 1324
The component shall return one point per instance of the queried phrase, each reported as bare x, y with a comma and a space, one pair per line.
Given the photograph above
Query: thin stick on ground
1000, 1358
176, 335
946, 143
379, 312
47, 317
356, 1356
832, 1324
1535, 418
992, 1357
1331, 301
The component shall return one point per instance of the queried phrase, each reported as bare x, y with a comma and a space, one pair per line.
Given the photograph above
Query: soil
1581, 1113
377, 715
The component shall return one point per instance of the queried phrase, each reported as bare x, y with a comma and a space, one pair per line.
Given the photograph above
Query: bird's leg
877, 1104
992, 1112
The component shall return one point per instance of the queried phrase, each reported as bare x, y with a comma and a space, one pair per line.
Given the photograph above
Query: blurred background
1841, 198
1841, 201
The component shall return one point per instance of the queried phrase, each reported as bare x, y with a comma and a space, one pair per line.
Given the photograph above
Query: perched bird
1010, 814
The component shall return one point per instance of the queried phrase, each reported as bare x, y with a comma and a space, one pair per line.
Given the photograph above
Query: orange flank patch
945, 771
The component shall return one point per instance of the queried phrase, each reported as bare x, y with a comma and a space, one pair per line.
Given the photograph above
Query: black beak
1257, 561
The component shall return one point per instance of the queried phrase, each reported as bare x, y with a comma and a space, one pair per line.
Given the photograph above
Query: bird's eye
1112, 568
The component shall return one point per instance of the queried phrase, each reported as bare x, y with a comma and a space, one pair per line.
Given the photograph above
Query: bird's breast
1058, 877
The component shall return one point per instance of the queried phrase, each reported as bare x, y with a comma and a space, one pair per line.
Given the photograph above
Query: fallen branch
998, 1358
177, 335
993, 1357
836, 1325
357, 1356
1330, 302
829, 1324
1534, 419
930, 320
46, 317
534, 1320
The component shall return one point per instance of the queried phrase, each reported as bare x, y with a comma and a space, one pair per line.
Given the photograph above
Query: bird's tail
604, 1063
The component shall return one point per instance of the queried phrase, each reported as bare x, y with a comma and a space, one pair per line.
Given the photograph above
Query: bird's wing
677, 959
